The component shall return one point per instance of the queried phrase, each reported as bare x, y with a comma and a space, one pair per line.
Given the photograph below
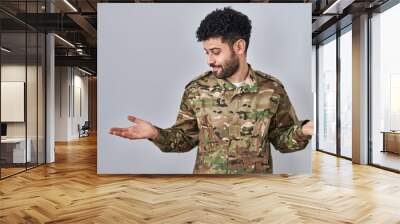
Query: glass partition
22, 77
14, 153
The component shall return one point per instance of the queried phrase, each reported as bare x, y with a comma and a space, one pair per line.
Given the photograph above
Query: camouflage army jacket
234, 126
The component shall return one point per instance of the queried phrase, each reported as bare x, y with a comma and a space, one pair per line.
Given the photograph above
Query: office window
385, 88
346, 93
327, 95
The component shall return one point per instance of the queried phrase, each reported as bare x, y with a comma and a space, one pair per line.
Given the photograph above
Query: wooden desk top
14, 140
391, 132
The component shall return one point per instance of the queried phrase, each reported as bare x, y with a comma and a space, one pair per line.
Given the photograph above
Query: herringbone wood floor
70, 191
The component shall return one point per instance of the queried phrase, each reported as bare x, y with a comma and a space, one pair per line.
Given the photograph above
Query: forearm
291, 138
173, 140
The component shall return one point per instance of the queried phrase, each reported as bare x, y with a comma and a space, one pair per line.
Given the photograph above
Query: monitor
3, 129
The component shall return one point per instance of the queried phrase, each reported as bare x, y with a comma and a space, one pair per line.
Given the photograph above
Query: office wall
71, 102
62, 113
15, 72
155, 54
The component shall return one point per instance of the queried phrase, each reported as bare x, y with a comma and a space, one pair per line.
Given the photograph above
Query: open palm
140, 130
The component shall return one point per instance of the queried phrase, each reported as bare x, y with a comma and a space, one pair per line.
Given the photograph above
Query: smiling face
221, 57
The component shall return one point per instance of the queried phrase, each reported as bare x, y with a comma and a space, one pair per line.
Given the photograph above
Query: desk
15, 148
391, 141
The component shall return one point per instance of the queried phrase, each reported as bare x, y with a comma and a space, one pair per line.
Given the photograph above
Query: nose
210, 59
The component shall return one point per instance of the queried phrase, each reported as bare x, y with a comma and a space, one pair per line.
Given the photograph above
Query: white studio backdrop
148, 52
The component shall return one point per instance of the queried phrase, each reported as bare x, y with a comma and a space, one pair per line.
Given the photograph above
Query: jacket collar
250, 83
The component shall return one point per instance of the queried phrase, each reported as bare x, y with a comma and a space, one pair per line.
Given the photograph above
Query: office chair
84, 130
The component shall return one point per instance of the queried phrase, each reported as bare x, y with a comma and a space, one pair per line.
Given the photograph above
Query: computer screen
3, 129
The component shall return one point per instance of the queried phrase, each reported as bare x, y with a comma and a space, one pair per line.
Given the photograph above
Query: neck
241, 74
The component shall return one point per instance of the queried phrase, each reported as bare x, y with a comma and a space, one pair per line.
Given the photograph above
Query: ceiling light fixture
70, 5
337, 7
84, 71
79, 51
65, 41
5, 49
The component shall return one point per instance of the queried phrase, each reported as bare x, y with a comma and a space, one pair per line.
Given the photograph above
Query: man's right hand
141, 130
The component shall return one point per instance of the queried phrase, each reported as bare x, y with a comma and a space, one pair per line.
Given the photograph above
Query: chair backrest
86, 125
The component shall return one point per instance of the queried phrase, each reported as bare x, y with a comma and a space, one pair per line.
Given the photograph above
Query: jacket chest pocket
255, 111
213, 113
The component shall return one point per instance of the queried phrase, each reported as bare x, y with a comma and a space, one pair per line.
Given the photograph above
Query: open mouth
216, 69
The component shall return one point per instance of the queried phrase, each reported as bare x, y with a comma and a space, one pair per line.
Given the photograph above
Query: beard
227, 69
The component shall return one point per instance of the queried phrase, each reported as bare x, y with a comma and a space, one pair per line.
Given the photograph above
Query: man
233, 112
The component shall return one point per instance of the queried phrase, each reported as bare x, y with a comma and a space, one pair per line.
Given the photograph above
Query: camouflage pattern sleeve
285, 129
184, 134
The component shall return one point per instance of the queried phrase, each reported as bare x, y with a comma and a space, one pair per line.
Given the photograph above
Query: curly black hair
227, 23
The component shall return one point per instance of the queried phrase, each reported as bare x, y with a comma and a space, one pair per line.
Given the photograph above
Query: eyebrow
214, 48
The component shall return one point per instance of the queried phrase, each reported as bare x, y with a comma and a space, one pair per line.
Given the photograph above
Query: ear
239, 46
